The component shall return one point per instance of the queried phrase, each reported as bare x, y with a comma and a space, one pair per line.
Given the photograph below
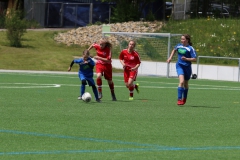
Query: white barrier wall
212, 72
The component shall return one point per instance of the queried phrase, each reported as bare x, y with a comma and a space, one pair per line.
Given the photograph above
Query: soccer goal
152, 47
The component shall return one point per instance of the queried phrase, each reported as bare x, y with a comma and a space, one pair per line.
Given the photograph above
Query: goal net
152, 47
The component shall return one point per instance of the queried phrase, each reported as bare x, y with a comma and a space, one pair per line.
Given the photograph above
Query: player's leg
108, 77
134, 77
83, 87
187, 76
180, 89
130, 88
99, 71
185, 92
94, 89
126, 75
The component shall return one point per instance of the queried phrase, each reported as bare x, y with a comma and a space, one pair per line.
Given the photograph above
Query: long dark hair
188, 37
106, 41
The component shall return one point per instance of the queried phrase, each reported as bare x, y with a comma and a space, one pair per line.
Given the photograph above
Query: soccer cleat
98, 100
130, 98
184, 100
180, 102
100, 95
137, 87
114, 97
79, 98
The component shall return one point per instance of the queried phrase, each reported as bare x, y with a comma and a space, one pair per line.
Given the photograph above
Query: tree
128, 10
16, 26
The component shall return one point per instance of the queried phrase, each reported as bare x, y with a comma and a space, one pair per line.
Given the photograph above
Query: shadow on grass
205, 107
5, 44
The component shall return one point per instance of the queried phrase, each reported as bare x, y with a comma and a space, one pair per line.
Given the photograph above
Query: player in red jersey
103, 65
130, 60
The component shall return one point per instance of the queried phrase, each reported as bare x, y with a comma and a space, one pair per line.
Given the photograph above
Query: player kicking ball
85, 73
130, 60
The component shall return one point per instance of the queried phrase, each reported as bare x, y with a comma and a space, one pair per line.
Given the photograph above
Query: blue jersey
85, 69
186, 51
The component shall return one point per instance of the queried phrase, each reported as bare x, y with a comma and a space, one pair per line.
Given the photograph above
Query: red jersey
104, 53
130, 59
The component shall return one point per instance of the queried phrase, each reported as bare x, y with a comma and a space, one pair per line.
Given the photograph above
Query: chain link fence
61, 14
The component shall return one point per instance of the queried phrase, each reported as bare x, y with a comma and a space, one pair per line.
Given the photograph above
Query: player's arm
91, 46
70, 67
188, 59
121, 57
171, 55
122, 62
136, 67
192, 58
101, 58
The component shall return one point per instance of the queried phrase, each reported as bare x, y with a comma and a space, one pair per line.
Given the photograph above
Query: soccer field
41, 118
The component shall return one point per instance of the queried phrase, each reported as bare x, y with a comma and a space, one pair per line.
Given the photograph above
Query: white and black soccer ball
86, 97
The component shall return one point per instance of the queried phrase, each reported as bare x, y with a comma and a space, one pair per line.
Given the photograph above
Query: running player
104, 65
186, 55
85, 73
130, 60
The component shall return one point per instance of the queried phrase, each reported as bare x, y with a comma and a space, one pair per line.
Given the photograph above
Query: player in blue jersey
186, 55
85, 73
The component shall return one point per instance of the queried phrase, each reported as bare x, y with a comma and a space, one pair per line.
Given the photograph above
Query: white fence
211, 72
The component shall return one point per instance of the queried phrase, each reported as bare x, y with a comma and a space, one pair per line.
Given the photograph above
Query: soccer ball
86, 97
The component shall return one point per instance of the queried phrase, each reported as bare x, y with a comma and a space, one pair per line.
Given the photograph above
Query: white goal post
152, 47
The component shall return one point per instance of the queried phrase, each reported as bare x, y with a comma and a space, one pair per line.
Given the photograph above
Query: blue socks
82, 90
95, 91
182, 93
185, 93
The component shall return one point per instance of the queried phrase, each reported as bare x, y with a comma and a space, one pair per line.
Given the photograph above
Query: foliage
2, 20
150, 16
124, 13
126, 10
16, 27
32, 24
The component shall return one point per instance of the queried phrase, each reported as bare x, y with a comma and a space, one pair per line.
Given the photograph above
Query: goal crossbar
147, 34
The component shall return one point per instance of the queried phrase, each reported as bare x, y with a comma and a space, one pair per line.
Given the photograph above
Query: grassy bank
211, 37
39, 52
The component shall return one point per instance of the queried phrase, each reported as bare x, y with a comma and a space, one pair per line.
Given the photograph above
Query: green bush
16, 26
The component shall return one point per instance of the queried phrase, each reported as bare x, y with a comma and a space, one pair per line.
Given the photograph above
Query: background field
41, 118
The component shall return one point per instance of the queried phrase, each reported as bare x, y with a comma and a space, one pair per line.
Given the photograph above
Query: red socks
99, 84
